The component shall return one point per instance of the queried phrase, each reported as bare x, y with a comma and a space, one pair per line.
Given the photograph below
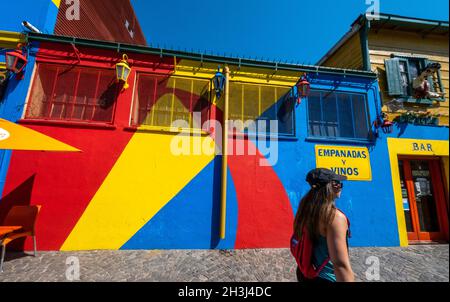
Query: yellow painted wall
348, 55
435, 48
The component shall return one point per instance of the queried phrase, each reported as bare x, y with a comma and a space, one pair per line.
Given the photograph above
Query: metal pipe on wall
223, 195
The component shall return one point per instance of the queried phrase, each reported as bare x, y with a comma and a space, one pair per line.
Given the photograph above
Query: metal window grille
67, 93
162, 100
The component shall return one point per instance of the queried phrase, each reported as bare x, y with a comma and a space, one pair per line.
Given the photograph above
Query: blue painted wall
41, 13
12, 105
191, 219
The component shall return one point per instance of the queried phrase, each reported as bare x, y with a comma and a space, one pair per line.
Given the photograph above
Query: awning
17, 137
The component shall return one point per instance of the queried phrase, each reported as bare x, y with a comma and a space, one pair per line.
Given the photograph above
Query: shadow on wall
20, 196
215, 219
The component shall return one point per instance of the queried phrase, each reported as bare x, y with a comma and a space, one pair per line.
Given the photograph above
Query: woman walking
327, 229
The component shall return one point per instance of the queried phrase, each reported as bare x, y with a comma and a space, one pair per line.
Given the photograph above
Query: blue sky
293, 30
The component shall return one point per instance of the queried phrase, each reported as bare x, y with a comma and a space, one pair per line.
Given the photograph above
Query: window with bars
161, 100
257, 102
68, 93
338, 115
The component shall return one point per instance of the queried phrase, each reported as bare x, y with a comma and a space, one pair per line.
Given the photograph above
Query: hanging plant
425, 118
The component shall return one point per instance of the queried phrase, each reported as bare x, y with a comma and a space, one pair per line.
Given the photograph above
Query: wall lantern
15, 60
303, 88
218, 82
387, 126
123, 71
383, 123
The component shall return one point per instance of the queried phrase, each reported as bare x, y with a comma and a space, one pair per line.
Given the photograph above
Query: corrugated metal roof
109, 20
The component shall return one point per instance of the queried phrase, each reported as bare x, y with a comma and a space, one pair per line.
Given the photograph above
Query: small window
337, 115
72, 94
161, 100
401, 72
261, 105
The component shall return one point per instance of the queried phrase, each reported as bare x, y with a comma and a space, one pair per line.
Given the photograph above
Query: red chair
25, 217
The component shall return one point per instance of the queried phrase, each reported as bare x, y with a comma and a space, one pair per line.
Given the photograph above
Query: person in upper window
421, 85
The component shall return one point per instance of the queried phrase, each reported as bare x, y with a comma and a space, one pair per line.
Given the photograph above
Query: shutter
394, 78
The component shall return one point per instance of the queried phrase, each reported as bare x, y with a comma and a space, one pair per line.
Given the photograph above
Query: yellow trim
9, 39
396, 147
57, 3
172, 129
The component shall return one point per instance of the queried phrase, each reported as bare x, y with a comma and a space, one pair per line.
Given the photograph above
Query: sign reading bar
353, 162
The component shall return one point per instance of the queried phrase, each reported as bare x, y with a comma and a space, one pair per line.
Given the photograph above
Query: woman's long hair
315, 207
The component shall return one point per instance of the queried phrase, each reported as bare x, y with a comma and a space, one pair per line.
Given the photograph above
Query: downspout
223, 195
364, 38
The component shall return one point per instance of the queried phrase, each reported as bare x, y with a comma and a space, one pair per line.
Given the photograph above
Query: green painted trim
198, 57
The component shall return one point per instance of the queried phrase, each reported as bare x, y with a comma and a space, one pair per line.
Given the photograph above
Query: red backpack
303, 249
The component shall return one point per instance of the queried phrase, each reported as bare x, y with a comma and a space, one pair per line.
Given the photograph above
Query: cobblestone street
414, 263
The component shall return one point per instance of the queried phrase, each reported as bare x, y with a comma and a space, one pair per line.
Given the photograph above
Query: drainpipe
223, 195
364, 38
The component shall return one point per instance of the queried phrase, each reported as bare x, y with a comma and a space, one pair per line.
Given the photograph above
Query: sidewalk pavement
414, 263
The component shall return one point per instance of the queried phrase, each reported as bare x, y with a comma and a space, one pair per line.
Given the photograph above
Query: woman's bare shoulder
339, 221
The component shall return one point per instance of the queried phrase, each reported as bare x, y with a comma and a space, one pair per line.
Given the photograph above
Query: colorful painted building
133, 186
141, 182
398, 49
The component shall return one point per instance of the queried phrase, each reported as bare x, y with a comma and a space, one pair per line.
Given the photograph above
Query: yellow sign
353, 162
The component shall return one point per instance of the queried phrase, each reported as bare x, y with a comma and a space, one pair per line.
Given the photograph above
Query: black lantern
219, 83
15, 60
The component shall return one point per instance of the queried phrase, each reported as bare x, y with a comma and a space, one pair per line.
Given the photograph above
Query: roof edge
196, 56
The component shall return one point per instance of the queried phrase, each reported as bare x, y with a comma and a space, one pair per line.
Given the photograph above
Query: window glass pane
61, 107
235, 101
201, 96
425, 197
414, 68
345, 115
404, 76
86, 95
360, 117
329, 114
314, 112
41, 93
251, 102
145, 98
106, 97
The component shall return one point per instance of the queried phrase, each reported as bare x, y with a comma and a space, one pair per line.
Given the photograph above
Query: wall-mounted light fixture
218, 83
303, 88
123, 71
16, 60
